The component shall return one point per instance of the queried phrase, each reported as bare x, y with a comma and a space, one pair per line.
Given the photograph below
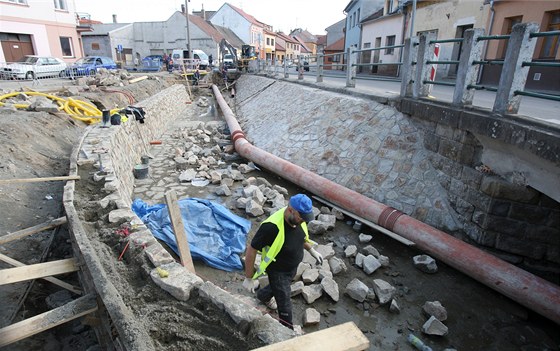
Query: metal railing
418, 65
515, 67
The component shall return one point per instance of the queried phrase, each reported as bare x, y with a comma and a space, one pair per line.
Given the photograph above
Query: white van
199, 55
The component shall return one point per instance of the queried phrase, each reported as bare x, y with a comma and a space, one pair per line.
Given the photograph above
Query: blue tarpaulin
215, 235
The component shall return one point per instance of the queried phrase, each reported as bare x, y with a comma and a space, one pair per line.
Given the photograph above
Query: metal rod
442, 62
541, 64
379, 48
493, 37
435, 82
482, 87
488, 62
537, 95
377, 64
456, 40
545, 34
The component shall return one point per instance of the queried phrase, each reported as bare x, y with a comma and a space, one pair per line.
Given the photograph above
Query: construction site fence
414, 63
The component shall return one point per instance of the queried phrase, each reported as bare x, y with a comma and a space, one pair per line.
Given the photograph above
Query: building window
358, 17
390, 41
66, 45
336, 58
95, 46
60, 5
550, 44
508, 26
272, 42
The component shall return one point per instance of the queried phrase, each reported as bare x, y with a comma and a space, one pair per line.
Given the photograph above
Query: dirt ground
38, 144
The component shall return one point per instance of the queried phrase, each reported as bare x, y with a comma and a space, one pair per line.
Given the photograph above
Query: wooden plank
53, 280
369, 223
39, 270
342, 337
33, 230
34, 180
179, 230
138, 79
34, 325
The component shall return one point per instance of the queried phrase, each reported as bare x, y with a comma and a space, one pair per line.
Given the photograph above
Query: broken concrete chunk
312, 292
317, 227
158, 255
331, 288
425, 263
311, 316
394, 308
357, 290
296, 288
434, 327
370, 250
350, 251
310, 275
364, 238
383, 290
370, 264
253, 208
384, 260
223, 190
280, 189
328, 219
121, 215
359, 260
179, 283
337, 265
434, 308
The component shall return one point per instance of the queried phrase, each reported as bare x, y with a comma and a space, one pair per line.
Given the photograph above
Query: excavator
230, 61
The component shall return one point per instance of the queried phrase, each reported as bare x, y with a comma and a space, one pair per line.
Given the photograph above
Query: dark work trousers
279, 287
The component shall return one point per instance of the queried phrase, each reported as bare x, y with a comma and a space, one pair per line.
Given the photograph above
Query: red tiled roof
206, 27
336, 46
321, 39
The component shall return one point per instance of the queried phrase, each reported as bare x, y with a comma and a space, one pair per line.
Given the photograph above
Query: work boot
271, 304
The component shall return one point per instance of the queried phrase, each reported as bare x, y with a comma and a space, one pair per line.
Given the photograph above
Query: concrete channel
153, 312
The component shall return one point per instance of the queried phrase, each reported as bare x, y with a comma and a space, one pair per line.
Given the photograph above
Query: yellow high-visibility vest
268, 253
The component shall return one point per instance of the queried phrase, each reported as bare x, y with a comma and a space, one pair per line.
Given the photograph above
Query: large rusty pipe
527, 289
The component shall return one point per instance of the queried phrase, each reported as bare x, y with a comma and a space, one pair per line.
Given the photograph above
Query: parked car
152, 63
228, 61
32, 67
89, 65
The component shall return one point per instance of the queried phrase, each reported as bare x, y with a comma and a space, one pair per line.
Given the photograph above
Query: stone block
450, 149
431, 141
158, 255
178, 282
518, 246
529, 213
499, 207
471, 177
505, 225
501, 189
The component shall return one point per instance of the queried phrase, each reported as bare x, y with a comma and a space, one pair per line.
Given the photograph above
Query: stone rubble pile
205, 159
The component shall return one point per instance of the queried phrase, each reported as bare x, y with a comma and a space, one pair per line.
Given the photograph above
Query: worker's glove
317, 255
250, 284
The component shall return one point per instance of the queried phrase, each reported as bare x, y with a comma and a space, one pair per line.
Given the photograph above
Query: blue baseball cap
302, 204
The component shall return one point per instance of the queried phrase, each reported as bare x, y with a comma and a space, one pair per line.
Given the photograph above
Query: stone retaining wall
420, 162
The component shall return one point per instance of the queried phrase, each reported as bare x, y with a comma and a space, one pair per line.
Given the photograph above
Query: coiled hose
77, 109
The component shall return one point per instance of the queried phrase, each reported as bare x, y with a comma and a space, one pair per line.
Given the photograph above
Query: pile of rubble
206, 158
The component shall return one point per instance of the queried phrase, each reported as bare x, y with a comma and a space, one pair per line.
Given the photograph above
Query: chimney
203, 13
182, 8
114, 18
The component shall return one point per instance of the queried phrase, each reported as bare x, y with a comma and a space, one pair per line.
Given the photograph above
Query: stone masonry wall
501, 214
119, 148
424, 166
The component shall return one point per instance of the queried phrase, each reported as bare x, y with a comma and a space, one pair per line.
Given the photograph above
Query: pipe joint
388, 217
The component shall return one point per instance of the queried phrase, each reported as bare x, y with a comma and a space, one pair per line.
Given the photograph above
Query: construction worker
281, 239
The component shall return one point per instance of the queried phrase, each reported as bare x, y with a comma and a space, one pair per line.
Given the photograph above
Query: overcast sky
313, 15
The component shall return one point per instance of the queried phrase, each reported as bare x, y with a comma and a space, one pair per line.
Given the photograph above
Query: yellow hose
77, 109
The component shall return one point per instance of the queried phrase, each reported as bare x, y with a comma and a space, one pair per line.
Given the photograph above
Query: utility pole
188, 30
